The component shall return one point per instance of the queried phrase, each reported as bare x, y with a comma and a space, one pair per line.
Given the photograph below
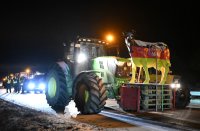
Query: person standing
15, 84
18, 83
8, 84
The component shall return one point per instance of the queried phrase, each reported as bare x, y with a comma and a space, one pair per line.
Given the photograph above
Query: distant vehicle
36, 84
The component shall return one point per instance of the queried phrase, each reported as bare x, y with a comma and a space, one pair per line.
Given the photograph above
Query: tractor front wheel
58, 91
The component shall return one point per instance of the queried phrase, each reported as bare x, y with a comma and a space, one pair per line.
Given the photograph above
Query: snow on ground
34, 101
14, 117
37, 116
37, 102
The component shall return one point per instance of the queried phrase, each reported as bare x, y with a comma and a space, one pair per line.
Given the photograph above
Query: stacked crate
152, 96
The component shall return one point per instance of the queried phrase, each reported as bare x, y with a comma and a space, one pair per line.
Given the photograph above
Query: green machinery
88, 76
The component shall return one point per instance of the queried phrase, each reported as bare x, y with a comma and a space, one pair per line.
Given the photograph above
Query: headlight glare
178, 85
81, 58
172, 85
42, 86
31, 85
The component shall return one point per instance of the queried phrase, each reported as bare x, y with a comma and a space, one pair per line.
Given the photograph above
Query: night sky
31, 34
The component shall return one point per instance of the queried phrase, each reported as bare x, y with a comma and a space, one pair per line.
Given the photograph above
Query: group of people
14, 82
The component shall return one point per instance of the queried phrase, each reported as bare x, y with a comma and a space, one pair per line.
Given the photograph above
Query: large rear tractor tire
182, 97
89, 93
59, 86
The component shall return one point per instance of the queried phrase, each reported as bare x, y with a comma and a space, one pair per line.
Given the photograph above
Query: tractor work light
42, 86
173, 85
81, 58
31, 85
178, 85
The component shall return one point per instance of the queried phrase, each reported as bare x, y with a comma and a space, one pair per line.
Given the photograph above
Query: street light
109, 38
27, 72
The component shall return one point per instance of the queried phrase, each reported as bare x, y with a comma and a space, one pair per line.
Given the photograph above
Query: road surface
117, 119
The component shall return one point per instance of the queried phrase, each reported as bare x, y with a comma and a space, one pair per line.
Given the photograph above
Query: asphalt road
118, 119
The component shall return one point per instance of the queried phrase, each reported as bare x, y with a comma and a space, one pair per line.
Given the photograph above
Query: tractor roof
91, 40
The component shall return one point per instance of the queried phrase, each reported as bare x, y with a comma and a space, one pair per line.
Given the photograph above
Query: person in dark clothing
5, 82
15, 83
8, 84
18, 84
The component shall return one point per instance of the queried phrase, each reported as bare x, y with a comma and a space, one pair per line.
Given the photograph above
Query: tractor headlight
42, 86
31, 85
178, 85
81, 58
173, 85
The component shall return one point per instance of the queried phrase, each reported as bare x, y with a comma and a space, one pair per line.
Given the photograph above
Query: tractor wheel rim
52, 87
86, 96
85, 93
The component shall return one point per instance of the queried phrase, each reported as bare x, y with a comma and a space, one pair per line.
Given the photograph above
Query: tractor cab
85, 49
81, 52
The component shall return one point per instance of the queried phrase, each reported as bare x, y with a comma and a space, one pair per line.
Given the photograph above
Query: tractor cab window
85, 48
112, 51
95, 52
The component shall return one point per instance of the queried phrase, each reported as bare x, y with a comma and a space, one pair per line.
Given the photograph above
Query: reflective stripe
9, 81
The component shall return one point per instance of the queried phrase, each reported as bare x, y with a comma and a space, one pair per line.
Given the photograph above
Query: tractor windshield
92, 48
112, 51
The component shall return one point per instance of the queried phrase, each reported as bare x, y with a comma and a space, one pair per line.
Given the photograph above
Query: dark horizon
32, 33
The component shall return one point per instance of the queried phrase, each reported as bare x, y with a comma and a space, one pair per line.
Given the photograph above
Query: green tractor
87, 75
